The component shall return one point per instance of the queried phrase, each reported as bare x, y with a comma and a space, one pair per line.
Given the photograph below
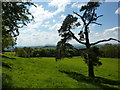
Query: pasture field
45, 72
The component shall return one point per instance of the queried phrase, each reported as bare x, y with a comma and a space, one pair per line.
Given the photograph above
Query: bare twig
80, 17
99, 16
91, 18
96, 23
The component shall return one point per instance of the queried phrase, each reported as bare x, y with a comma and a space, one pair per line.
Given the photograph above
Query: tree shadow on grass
5, 64
97, 81
3, 56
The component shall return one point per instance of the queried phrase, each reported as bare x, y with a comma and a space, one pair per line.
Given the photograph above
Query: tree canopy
14, 16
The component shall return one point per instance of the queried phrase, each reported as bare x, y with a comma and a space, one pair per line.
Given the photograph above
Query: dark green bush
92, 54
24, 52
110, 51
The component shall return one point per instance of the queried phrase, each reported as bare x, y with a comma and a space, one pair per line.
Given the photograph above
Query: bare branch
74, 37
91, 18
85, 12
96, 23
99, 16
105, 41
80, 17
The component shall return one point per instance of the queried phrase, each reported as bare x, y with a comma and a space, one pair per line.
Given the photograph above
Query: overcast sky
48, 17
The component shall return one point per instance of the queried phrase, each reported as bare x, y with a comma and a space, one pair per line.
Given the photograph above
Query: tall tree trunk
90, 69
90, 62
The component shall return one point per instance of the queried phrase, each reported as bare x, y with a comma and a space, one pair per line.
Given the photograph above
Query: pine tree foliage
63, 47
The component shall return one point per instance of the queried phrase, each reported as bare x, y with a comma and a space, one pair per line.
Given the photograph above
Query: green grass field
47, 73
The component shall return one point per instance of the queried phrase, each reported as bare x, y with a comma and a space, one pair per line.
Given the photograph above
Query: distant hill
78, 46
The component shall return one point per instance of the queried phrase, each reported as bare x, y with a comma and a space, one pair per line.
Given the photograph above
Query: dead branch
80, 17
105, 41
96, 23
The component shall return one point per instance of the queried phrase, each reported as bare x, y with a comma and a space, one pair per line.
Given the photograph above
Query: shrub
24, 52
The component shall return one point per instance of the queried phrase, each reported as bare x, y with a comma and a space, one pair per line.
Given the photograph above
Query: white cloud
48, 22
59, 4
40, 14
78, 5
55, 26
92, 26
26, 30
62, 16
34, 25
45, 25
53, 20
97, 0
113, 30
34, 33
117, 11
107, 33
38, 38
97, 34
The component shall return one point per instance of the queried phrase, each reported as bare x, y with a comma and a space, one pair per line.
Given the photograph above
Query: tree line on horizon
106, 51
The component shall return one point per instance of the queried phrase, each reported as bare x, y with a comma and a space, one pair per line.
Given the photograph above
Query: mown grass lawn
47, 73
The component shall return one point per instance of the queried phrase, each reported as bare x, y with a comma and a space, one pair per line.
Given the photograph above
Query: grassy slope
46, 73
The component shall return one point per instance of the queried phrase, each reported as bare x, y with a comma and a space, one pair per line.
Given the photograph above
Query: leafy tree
24, 52
63, 49
14, 16
110, 51
88, 16
7, 42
